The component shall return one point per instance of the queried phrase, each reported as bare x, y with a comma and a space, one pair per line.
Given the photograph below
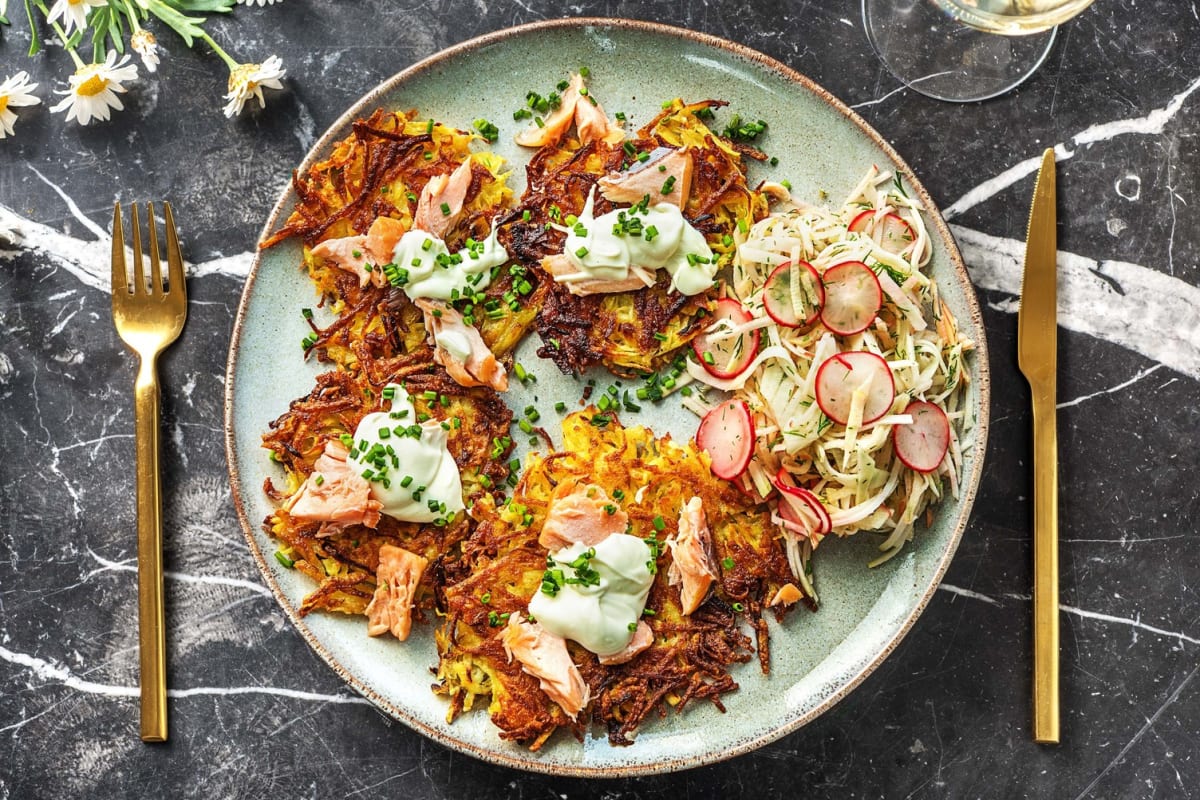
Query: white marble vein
1112, 389
1137, 737
1136, 622
130, 565
1151, 124
1126, 304
51, 673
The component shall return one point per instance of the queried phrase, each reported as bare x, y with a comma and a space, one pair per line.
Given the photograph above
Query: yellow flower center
74, 2
92, 86
3, 102
239, 79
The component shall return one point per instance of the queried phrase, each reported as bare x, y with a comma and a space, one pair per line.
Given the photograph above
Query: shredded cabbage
850, 468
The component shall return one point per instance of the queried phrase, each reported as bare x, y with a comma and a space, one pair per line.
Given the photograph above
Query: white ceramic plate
821, 146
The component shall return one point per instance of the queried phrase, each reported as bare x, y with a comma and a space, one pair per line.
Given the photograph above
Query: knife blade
1037, 356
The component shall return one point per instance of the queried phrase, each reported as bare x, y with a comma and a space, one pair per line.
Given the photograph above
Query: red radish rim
898, 448
748, 353
782, 481
713, 419
792, 521
855, 227
912, 234
825, 306
816, 282
840, 357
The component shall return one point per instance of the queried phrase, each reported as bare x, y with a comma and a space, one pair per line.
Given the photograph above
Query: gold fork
149, 316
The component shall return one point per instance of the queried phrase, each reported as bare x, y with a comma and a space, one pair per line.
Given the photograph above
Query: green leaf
4, 13
35, 41
106, 23
187, 27
209, 6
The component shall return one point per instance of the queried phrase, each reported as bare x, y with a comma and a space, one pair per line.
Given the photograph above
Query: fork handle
151, 627
1045, 566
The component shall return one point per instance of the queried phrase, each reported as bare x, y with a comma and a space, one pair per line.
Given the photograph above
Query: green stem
133, 17
216, 48
62, 36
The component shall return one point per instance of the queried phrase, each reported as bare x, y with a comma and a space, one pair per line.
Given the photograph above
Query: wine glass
922, 44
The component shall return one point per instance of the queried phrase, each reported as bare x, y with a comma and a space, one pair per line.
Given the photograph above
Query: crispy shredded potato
503, 563
485, 564
630, 332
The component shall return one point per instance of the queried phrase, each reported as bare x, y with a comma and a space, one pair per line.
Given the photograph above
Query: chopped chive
284, 560
658, 523
727, 562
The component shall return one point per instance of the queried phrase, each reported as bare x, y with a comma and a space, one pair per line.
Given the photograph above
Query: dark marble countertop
255, 713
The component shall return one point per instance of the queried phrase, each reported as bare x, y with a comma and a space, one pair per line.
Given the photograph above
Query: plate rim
970, 485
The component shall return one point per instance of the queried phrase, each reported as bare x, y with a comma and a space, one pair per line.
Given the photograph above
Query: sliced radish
727, 434
852, 298
923, 444
800, 502
796, 523
892, 232
840, 375
793, 294
724, 356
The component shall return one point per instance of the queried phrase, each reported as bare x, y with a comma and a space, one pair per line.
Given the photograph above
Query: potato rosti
504, 566
631, 331
401, 398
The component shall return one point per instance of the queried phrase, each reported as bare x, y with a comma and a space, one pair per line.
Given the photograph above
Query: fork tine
139, 274
119, 280
156, 284
175, 280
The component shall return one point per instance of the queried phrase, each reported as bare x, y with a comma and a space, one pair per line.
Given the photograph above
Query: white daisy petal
73, 13
248, 80
15, 92
93, 89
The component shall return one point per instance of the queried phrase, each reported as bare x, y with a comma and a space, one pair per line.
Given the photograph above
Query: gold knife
1037, 354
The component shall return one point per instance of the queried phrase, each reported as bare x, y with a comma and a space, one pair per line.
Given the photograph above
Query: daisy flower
15, 92
144, 44
73, 12
248, 80
94, 89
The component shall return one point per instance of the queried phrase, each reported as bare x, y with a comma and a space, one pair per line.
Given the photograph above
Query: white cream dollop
605, 248
407, 463
433, 272
601, 617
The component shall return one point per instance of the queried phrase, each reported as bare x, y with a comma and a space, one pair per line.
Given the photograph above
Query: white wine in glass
999, 44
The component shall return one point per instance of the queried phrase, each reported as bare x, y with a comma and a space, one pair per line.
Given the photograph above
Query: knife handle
1045, 566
